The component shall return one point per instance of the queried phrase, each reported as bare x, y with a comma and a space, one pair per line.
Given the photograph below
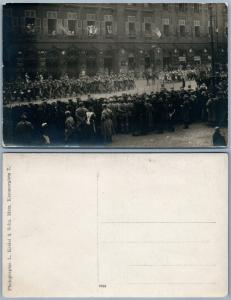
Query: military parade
95, 75
74, 121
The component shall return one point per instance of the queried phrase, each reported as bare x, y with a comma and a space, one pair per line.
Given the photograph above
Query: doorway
108, 64
91, 65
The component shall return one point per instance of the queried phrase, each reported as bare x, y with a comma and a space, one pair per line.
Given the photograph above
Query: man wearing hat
69, 127
106, 124
81, 117
24, 131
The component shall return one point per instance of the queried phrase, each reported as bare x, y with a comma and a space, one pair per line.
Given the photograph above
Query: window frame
56, 22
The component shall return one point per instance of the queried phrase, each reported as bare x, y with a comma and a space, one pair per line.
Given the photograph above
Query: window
71, 26
147, 25
197, 31
52, 26
108, 28
52, 22
196, 7
182, 30
131, 28
147, 28
30, 16
182, 7
91, 28
197, 28
30, 25
165, 22
166, 30
130, 25
108, 24
182, 27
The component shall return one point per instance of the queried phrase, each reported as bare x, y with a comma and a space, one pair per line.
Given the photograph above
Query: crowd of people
173, 75
96, 121
26, 89
178, 75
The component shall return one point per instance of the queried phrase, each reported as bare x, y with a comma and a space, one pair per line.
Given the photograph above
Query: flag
109, 29
92, 30
157, 32
63, 29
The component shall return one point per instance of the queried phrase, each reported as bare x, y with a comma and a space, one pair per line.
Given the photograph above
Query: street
141, 87
198, 135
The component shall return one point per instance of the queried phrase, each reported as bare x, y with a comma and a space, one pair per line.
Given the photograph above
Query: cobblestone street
198, 135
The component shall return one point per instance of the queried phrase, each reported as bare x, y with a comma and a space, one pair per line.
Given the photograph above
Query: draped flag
63, 29
92, 30
157, 32
109, 29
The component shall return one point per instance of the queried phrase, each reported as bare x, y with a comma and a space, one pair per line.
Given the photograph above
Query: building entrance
108, 64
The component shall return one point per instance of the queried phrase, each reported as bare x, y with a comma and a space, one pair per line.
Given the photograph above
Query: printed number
102, 285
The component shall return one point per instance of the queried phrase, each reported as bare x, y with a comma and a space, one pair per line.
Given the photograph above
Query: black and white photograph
118, 75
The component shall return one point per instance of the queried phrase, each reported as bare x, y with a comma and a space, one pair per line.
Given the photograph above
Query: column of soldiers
97, 120
40, 88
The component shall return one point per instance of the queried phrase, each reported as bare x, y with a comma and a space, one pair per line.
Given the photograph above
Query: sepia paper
115, 225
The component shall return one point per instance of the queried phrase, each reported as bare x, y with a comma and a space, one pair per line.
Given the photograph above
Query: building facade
103, 37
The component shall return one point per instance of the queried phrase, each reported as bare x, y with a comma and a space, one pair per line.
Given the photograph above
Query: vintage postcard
115, 225
121, 75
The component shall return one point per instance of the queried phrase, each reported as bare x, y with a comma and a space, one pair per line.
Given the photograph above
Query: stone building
103, 37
